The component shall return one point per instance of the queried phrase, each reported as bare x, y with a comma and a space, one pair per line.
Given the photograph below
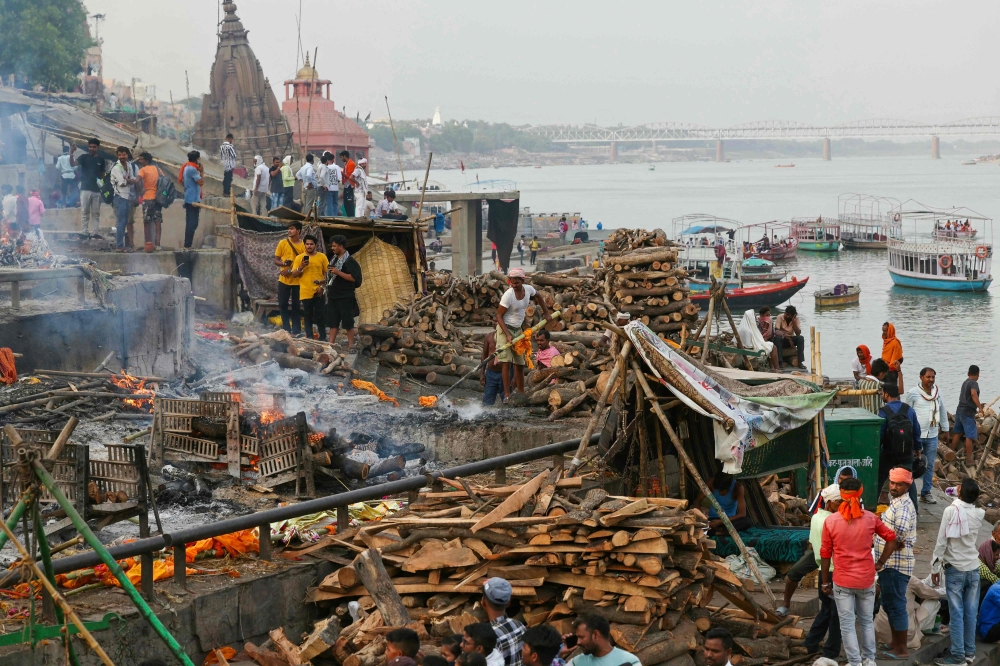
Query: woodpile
643, 563
642, 279
787, 508
314, 356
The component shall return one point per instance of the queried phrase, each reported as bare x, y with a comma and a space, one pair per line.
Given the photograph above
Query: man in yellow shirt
310, 269
288, 286
534, 249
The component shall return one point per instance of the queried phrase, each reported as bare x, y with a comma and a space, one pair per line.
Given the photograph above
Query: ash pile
364, 457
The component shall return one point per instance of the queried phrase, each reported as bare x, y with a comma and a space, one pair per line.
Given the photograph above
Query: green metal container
852, 435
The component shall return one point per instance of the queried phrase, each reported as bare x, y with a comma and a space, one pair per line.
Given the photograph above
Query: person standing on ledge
965, 416
510, 317
288, 285
343, 280
926, 401
348, 179
192, 177
228, 156
892, 351
307, 174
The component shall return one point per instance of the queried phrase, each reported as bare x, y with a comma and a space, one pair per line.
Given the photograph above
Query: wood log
421, 370
569, 406
579, 605
296, 362
285, 648
377, 331
773, 647
622, 294
323, 637
553, 281
564, 393
371, 570
638, 258
451, 380
664, 650
350, 467
387, 465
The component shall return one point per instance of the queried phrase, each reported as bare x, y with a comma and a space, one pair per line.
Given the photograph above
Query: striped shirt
228, 156
901, 518
509, 633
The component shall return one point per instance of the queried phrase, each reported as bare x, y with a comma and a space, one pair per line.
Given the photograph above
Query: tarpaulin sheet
255, 259
757, 420
501, 227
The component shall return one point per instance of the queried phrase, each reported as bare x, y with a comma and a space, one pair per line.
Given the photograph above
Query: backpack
898, 443
107, 190
166, 191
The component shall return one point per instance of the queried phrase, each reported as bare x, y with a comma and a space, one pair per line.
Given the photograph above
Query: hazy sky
711, 63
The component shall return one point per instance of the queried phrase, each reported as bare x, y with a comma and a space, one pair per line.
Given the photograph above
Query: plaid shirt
228, 156
901, 518
509, 634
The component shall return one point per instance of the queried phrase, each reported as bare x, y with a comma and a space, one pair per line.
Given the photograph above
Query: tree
43, 42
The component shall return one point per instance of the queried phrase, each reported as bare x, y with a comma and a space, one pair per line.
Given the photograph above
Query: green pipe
15, 515
112, 565
43, 547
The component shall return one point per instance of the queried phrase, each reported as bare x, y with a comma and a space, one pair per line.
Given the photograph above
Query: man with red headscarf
847, 538
861, 366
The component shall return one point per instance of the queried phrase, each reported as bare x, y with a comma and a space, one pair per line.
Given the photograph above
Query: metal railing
263, 519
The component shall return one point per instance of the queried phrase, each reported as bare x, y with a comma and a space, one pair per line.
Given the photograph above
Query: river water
946, 331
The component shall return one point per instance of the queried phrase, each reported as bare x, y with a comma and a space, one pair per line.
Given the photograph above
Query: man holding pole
510, 317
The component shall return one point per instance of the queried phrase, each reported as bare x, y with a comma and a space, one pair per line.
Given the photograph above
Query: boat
757, 265
969, 163
816, 235
866, 222
773, 276
783, 166
652, 168
954, 229
707, 249
941, 263
775, 242
755, 297
841, 295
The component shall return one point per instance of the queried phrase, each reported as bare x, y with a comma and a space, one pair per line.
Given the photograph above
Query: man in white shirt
388, 208
928, 405
718, 647
322, 184
68, 175
261, 186
593, 636
307, 174
360, 176
334, 177
480, 637
510, 317
122, 181
957, 555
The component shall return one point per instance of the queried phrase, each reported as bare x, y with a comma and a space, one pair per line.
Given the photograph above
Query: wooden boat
778, 252
773, 276
757, 265
756, 296
839, 296
816, 235
783, 166
867, 222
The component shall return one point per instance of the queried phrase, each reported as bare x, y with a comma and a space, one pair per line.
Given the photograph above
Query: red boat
755, 297
776, 252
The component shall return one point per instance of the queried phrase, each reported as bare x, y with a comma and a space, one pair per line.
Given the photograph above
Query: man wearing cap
510, 317
901, 518
827, 622
496, 598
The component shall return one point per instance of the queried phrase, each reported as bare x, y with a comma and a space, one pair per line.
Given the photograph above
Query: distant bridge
768, 129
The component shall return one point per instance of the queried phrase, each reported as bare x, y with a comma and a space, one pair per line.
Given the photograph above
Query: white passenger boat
866, 222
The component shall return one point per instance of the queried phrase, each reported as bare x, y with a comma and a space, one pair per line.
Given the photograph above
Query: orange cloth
850, 508
8, 367
900, 475
867, 360
374, 390
213, 658
149, 175
892, 348
428, 400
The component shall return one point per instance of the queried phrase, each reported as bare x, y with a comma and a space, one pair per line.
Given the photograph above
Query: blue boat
930, 261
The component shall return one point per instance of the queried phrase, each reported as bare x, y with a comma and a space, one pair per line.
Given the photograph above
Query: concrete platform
150, 328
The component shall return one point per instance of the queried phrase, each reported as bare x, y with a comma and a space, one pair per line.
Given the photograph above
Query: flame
270, 416
136, 386
315, 437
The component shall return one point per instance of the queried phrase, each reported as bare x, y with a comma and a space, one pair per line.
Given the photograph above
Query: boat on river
775, 241
839, 296
816, 235
867, 222
954, 229
756, 296
925, 260
707, 249
756, 269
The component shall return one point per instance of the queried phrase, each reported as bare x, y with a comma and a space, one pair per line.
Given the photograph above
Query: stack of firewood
645, 564
643, 280
314, 356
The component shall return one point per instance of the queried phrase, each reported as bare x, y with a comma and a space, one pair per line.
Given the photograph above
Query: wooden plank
658, 546
512, 503
372, 572
420, 588
500, 491
604, 583
510, 521
638, 507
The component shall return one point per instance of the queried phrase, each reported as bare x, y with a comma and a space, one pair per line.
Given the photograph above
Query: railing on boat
949, 246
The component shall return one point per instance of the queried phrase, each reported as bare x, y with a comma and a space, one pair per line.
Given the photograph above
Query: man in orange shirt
152, 212
349, 182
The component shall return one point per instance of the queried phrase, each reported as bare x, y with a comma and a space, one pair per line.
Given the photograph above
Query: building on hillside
314, 117
240, 101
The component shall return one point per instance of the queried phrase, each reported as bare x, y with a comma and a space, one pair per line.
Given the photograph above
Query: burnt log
350, 467
289, 361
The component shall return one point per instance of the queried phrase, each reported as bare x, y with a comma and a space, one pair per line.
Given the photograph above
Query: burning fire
137, 387
270, 416
315, 437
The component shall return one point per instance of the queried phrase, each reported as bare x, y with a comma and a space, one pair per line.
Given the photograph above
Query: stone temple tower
240, 101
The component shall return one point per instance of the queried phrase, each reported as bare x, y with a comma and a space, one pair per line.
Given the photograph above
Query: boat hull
776, 254
764, 277
819, 246
939, 285
758, 296
864, 245
837, 301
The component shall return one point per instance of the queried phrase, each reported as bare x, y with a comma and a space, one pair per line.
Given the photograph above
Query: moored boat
942, 263
775, 243
817, 235
773, 276
757, 265
866, 222
757, 296
841, 295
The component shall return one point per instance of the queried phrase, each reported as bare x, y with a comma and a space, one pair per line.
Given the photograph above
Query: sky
561, 62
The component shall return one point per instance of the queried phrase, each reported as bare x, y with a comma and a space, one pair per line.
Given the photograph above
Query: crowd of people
505, 641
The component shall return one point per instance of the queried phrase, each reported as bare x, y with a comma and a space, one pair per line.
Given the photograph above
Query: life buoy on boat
896, 218
982, 251
944, 261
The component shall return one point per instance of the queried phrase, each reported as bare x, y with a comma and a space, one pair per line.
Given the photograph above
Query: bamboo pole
986, 449
708, 330
420, 209
312, 93
736, 334
662, 467
643, 436
392, 126
599, 409
682, 454
108, 560
58, 598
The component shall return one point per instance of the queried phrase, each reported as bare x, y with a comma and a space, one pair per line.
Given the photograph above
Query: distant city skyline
710, 63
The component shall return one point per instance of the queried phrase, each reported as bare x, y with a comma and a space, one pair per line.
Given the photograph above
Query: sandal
890, 655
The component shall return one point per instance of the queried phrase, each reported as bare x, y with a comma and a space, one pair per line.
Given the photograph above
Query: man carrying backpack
899, 434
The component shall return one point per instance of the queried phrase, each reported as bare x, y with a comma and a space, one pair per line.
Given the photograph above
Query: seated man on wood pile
730, 495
